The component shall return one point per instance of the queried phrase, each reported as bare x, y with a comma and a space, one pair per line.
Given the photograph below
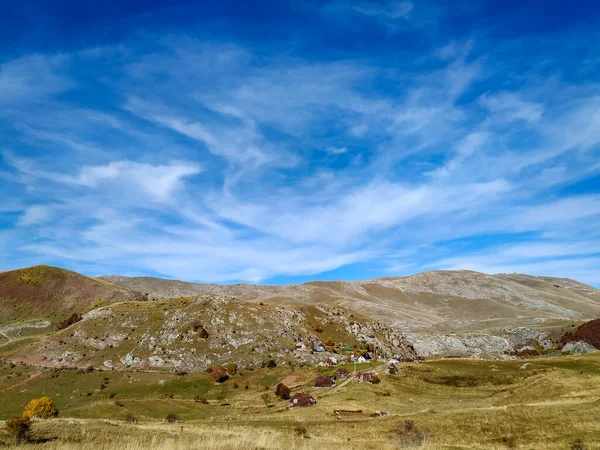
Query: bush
196, 325
300, 430
170, 395
375, 379
203, 333
19, 428
131, 418
510, 442
282, 391
43, 407
318, 327
271, 364
74, 318
220, 374
231, 368
579, 445
172, 418
266, 398
409, 435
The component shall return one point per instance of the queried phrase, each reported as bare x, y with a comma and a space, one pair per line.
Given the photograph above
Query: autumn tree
42, 407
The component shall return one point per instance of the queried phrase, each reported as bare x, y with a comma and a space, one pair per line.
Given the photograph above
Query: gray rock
579, 348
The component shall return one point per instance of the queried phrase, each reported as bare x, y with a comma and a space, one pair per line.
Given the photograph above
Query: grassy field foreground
455, 404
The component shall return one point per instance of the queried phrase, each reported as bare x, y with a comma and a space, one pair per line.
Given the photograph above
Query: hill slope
45, 291
438, 300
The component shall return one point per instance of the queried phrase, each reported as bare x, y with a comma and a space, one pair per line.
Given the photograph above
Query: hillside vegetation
54, 293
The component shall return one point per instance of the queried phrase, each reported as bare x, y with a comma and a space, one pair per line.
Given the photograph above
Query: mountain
47, 292
430, 301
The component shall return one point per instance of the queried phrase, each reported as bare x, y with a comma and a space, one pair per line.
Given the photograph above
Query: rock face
193, 334
578, 348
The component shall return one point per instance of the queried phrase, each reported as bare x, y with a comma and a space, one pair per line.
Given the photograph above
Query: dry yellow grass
458, 404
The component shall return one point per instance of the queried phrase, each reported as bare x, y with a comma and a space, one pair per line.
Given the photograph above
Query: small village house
332, 361
324, 381
300, 399
367, 377
342, 372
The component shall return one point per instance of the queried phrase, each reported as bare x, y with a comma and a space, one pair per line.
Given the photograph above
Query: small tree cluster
219, 374
270, 364
43, 407
282, 391
172, 418
74, 318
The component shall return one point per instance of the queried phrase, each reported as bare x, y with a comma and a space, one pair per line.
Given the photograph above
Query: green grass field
456, 403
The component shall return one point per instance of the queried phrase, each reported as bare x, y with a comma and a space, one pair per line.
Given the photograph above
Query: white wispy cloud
217, 162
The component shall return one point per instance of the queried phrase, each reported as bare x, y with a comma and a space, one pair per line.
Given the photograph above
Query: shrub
172, 418
231, 368
74, 318
42, 407
203, 333
196, 325
271, 364
266, 398
282, 391
318, 327
579, 445
300, 430
375, 379
409, 435
112, 395
131, 418
510, 442
170, 395
19, 428
219, 374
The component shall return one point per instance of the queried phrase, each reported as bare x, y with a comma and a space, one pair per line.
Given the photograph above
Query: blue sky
280, 142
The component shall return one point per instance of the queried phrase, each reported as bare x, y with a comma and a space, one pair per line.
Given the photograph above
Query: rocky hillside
51, 292
194, 333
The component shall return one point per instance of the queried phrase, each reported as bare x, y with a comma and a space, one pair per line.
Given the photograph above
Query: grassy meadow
538, 403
